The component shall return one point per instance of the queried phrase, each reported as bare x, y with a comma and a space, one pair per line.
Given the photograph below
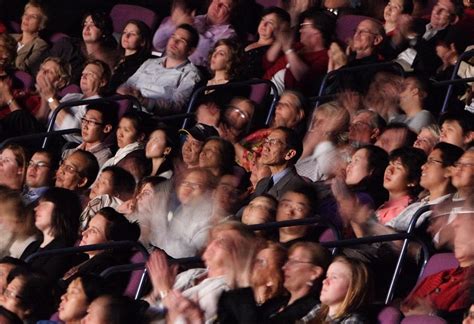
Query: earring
309, 283
269, 284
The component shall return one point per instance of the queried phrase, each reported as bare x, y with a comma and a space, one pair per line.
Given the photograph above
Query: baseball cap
201, 132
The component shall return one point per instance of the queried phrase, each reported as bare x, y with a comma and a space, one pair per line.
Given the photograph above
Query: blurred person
392, 12
365, 127
320, 156
273, 19
7, 264
30, 45
236, 119
39, 175
113, 186
227, 257
427, 138
281, 150
457, 128
57, 218
395, 136
218, 156
162, 148
230, 191
347, 290
95, 76
411, 102
135, 46
77, 172
302, 65
97, 124
113, 309
13, 166
142, 197
164, 85
131, 134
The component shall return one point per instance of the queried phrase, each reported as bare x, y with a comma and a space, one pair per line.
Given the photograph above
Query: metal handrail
73, 103
461, 57
231, 85
29, 137
328, 75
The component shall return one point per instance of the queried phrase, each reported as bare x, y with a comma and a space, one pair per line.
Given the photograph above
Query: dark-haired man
163, 85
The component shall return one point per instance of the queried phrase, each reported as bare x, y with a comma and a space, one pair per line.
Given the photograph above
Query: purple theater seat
23, 80
268, 3
389, 315
72, 88
346, 25
121, 13
439, 262
327, 236
56, 37
423, 319
135, 276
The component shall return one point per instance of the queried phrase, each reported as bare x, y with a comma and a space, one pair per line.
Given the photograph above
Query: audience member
162, 148
365, 128
427, 138
13, 166
225, 62
113, 309
218, 156
236, 119
192, 146
395, 136
164, 85
77, 172
457, 128
39, 175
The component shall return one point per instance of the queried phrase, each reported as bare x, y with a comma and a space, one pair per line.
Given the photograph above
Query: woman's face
257, 211
263, 267
220, 58
393, 10
74, 302
267, 25
126, 133
218, 252
210, 156
131, 39
95, 232
145, 196
357, 169
156, 145
11, 298
50, 71
336, 284
299, 270
10, 171
96, 312
31, 20
104, 185
90, 32
43, 215
91, 80
396, 177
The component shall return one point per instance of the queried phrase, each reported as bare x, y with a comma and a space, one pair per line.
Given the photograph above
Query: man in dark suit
281, 150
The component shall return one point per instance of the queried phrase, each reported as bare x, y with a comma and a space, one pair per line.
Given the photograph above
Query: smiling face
38, 173
74, 302
433, 172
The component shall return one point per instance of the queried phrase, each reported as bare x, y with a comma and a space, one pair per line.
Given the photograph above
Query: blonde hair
44, 17
64, 70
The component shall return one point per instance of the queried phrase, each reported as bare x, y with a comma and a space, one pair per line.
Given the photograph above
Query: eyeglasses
462, 165
68, 168
38, 164
302, 25
10, 294
88, 122
432, 161
242, 114
192, 185
273, 141
364, 31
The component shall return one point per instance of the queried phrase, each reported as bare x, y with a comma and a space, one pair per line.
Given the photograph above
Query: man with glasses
96, 125
39, 176
281, 149
77, 172
163, 85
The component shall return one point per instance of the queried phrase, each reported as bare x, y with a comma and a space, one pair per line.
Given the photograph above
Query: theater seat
439, 262
423, 319
121, 13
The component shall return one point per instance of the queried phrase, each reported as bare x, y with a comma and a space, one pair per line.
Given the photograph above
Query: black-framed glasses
87, 122
38, 164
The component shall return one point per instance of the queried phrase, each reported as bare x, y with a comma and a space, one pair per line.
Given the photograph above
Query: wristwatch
50, 100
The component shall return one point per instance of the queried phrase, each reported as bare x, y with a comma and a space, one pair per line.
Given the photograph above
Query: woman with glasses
135, 44
57, 218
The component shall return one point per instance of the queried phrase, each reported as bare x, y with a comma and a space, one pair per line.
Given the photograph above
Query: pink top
390, 209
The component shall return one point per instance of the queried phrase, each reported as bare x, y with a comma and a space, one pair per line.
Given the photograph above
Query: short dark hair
93, 285
66, 213
108, 110
407, 7
193, 34
464, 118
449, 153
227, 152
91, 169
281, 14
293, 142
118, 227
412, 159
138, 120
123, 310
324, 21
104, 23
123, 181
310, 194
410, 136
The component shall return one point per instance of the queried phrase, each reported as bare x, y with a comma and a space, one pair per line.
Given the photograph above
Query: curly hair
234, 65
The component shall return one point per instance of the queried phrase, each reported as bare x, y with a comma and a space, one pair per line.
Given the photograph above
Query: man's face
452, 133
286, 112
91, 79
293, 206
463, 172
219, 11
39, 171
365, 36
392, 139
178, 45
442, 14
408, 92
69, 174
191, 150
275, 151
361, 130
239, 113
308, 33
92, 128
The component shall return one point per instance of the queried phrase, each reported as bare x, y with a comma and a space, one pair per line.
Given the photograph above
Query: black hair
123, 182
193, 34
449, 153
310, 193
324, 21
118, 227
12, 261
108, 110
138, 120
53, 157
104, 23
293, 142
91, 167
227, 153
412, 159
281, 14
144, 33
410, 136
93, 286
66, 212
407, 7
464, 118
123, 310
